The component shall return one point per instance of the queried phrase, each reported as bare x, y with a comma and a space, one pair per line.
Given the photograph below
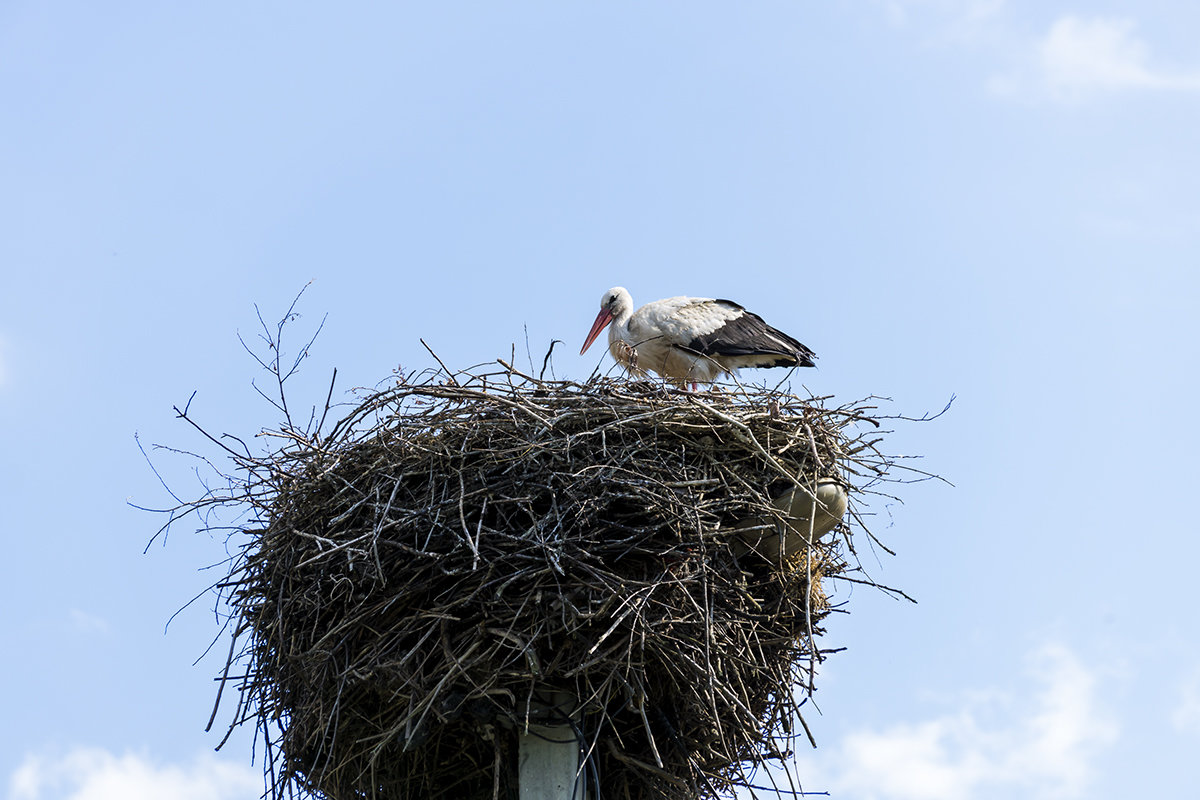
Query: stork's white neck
618, 330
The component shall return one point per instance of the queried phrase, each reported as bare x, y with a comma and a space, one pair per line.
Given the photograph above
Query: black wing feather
749, 335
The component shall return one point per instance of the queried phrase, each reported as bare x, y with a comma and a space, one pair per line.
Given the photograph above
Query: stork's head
614, 304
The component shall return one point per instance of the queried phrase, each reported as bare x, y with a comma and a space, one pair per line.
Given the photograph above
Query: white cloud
86, 622
954, 20
87, 773
1075, 59
1186, 716
1041, 745
1080, 58
1081, 54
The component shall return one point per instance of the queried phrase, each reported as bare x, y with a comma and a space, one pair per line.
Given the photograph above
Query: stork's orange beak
602, 320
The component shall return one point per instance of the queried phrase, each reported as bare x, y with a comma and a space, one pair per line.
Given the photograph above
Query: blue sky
993, 199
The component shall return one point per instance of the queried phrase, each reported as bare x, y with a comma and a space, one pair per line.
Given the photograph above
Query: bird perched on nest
691, 340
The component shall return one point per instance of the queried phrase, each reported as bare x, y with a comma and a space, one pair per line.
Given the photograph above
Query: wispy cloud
86, 622
1080, 58
96, 774
1076, 59
1186, 716
1087, 55
945, 20
1039, 745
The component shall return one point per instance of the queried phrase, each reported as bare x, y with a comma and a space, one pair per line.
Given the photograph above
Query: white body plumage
691, 340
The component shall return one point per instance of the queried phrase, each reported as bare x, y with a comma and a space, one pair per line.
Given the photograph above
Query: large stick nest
417, 581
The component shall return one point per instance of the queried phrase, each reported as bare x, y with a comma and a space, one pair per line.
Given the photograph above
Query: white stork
691, 339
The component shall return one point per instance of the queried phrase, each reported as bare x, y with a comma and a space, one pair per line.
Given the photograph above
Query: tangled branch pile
416, 577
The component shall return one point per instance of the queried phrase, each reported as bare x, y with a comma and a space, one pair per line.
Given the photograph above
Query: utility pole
549, 766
